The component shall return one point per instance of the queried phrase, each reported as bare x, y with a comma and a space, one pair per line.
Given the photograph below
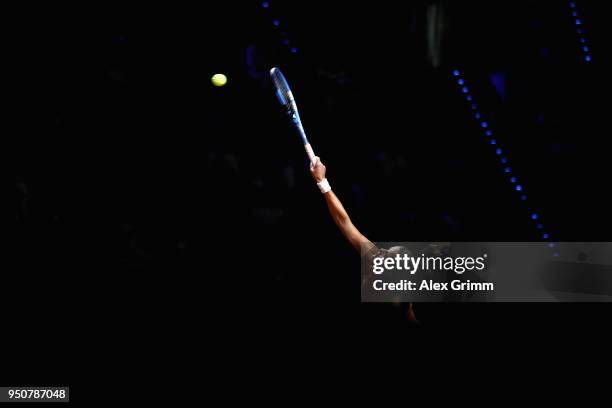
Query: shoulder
371, 252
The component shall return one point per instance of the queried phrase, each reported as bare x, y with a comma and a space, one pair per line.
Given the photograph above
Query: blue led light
498, 151
578, 23
540, 226
293, 50
265, 4
276, 22
551, 245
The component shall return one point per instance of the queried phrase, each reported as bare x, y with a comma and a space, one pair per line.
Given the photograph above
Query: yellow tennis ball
218, 80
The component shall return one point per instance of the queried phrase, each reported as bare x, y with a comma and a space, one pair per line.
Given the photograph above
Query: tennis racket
283, 92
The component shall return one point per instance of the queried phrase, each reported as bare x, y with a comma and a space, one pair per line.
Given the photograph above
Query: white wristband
324, 186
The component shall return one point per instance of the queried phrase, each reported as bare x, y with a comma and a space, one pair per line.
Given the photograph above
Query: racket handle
310, 152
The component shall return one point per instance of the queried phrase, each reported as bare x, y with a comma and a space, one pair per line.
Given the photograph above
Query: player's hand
317, 169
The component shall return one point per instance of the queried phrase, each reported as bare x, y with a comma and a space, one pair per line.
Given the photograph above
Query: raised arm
336, 209
342, 219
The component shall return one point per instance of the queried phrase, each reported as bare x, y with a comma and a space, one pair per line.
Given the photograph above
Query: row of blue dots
580, 31
498, 151
277, 23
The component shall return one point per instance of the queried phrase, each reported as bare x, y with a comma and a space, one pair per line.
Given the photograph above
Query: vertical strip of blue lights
458, 76
584, 46
277, 23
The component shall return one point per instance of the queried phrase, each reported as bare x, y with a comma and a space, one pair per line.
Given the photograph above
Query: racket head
284, 95
283, 92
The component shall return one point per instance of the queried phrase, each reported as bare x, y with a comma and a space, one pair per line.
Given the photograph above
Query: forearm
344, 223
336, 210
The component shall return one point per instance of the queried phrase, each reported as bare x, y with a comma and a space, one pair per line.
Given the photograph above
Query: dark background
154, 208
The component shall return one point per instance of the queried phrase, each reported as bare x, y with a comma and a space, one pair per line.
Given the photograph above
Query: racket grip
310, 152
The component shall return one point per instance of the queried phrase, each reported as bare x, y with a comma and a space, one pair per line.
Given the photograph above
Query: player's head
401, 250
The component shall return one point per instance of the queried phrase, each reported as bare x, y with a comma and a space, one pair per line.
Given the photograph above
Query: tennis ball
218, 80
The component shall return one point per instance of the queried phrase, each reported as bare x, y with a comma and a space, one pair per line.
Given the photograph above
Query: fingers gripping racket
283, 92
